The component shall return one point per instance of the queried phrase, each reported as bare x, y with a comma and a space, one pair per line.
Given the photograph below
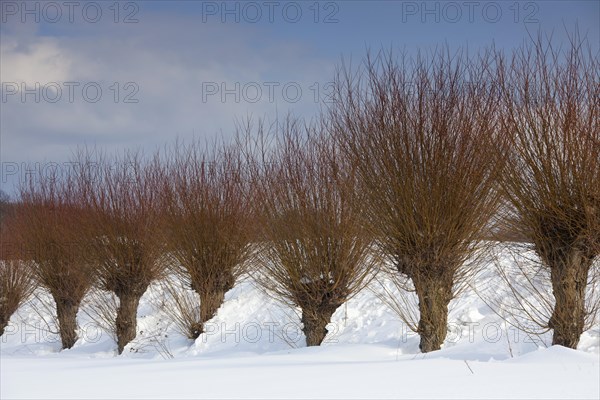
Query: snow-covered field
254, 349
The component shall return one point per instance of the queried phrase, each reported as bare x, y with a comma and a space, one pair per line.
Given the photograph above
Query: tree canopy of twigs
312, 251
551, 117
205, 218
421, 133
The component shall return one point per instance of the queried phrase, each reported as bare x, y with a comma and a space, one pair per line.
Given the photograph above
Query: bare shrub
205, 223
124, 247
312, 252
47, 219
421, 134
181, 305
551, 116
101, 306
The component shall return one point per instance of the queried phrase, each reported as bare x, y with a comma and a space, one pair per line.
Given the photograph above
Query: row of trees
410, 172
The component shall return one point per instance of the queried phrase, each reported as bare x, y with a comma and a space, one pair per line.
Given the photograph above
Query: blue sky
143, 73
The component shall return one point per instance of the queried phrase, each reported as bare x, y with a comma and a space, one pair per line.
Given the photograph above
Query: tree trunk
212, 295
434, 296
569, 275
210, 302
66, 312
315, 323
126, 323
5, 315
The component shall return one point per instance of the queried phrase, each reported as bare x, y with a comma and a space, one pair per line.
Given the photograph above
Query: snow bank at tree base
254, 349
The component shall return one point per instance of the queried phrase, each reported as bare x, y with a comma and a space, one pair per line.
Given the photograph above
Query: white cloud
40, 61
168, 59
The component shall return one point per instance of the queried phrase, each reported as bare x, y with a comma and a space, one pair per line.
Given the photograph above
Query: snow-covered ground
254, 349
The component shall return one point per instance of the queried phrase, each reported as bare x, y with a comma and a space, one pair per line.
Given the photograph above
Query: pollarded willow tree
312, 252
46, 223
124, 245
421, 133
551, 117
205, 198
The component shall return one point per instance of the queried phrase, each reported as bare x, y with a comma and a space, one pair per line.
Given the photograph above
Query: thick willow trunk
434, 296
212, 295
126, 323
569, 274
315, 323
210, 302
66, 312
